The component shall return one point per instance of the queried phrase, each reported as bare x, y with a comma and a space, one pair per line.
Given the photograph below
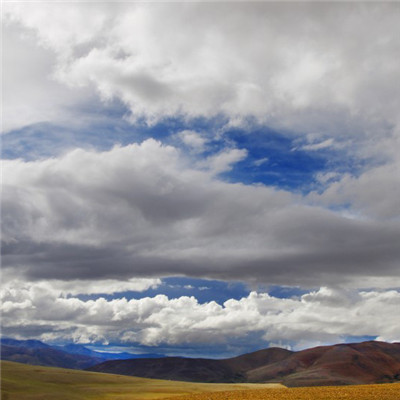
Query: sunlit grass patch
389, 391
28, 382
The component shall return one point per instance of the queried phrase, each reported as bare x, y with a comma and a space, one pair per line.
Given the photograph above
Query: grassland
27, 382
389, 391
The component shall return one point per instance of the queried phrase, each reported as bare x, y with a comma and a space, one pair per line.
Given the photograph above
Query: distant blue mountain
37, 353
69, 356
73, 348
30, 344
125, 356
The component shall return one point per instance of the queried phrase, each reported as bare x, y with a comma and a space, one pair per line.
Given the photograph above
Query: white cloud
327, 177
326, 66
32, 95
261, 161
193, 139
374, 193
327, 313
105, 286
318, 146
223, 161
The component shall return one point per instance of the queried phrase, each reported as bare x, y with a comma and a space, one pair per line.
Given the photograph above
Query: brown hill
343, 364
257, 359
194, 369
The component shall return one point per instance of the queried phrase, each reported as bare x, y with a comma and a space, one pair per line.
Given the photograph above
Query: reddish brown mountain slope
343, 364
194, 369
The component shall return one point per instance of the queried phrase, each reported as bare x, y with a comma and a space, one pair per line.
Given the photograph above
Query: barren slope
343, 364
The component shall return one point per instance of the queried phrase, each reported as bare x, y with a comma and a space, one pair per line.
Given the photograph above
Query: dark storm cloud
140, 211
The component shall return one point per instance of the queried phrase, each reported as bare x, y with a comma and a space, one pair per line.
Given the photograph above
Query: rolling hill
231, 370
28, 382
342, 364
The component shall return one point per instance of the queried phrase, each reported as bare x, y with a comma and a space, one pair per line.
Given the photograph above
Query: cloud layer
323, 316
144, 210
314, 66
322, 75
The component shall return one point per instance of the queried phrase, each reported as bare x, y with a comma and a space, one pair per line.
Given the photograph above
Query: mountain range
341, 364
72, 356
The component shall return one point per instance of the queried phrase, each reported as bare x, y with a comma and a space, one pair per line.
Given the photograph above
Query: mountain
47, 356
36, 352
73, 348
194, 369
342, 364
31, 344
124, 356
73, 356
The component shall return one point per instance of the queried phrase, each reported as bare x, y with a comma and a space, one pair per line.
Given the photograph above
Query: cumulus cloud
32, 95
143, 210
104, 286
326, 66
320, 67
325, 315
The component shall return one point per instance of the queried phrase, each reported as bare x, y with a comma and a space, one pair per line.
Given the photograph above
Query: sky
200, 178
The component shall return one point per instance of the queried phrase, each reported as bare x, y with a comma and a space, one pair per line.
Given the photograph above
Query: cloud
223, 161
92, 221
32, 95
318, 146
373, 193
260, 161
291, 68
328, 314
105, 286
193, 139
327, 177
143, 211
288, 66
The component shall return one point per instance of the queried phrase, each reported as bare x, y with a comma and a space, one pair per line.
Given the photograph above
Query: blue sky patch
203, 290
273, 158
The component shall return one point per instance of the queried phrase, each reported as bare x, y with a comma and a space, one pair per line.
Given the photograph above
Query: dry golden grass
390, 391
28, 382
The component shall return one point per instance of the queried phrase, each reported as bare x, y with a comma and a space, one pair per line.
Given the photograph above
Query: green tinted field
27, 382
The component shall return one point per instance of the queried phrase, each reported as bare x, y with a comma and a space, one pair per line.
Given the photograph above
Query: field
389, 391
27, 382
